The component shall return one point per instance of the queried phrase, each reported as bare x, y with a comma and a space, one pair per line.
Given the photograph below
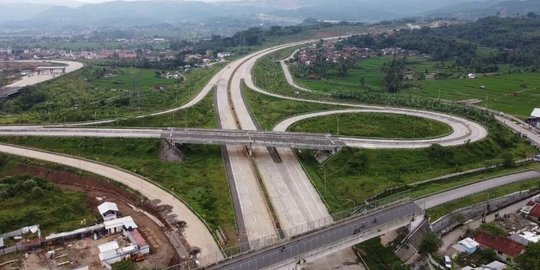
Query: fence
19, 232
457, 217
22, 247
288, 234
322, 242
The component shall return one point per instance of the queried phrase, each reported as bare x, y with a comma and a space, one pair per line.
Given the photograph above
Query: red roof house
535, 211
503, 245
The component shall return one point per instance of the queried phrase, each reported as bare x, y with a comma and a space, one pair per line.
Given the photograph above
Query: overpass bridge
253, 137
9, 90
51, 69
246, 138
326, 240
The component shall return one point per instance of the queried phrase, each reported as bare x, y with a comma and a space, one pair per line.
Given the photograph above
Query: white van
447, 262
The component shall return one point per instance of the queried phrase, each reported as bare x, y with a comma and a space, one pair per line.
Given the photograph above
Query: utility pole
485, 209
337, 119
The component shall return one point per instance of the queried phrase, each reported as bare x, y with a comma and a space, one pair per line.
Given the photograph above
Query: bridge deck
253, 137
190, 136
9, 90
297, 247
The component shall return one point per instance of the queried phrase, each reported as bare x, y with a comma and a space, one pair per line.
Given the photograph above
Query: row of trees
503, 41
254, 36
510, 41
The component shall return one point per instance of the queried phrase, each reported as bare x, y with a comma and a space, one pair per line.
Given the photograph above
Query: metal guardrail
323, 225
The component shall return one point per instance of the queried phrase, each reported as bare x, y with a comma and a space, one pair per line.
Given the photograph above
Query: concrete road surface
35, 79
531, 134
358, 228
463, 130
256, 216
295, 200
448, 196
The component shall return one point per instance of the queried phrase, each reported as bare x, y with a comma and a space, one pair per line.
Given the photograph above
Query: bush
430, 243
124, 265
508, 160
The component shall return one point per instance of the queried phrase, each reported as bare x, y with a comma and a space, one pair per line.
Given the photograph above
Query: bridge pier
169, 152
249, 149
323, 155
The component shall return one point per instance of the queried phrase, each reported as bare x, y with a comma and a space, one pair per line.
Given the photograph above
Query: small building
467, 245
506, 248
110, 253
224, 54
495, 265
534, 213
525, 238
534, 120
120, 224
108, 211
136, 238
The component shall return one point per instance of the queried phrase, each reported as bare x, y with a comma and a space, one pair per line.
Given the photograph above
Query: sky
98, 1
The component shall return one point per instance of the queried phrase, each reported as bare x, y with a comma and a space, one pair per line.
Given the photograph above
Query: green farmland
517, 94
509, 90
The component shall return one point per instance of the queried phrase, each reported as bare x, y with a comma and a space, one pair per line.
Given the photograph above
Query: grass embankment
268, 74
201, 115
432, 187
25, 201
200, 180
441, 210
102, 92
359, 174
270, 110
379, 125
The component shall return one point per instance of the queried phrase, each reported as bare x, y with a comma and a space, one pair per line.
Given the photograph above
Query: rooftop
499, 243
139, 239
536, 112
469, 243
535, 211
113, 245
127, 222
106, 207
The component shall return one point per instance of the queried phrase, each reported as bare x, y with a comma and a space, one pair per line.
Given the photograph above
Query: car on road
447, 262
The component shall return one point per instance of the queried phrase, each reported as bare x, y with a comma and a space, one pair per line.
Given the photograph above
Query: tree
394, 77
343, 67
362, 81
531, 258
320, 66
430, 243
399, 266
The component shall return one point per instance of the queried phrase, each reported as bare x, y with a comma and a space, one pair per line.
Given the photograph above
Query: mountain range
67, 15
